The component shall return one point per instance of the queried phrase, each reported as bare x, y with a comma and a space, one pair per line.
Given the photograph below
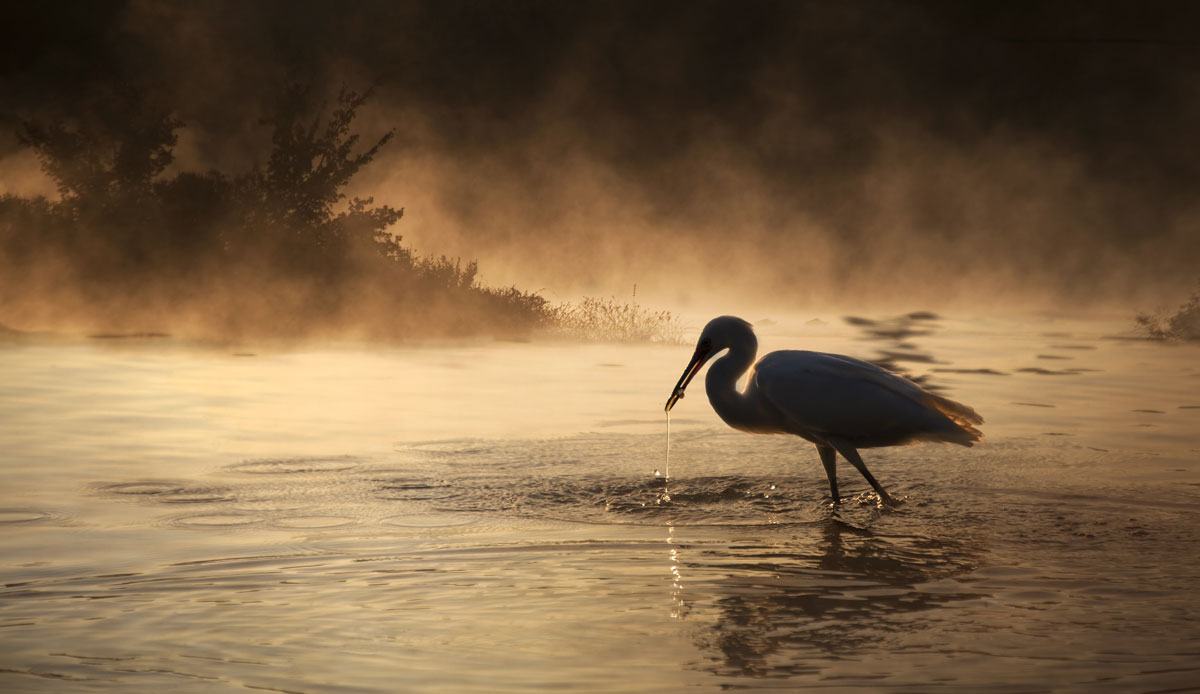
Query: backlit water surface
485, 517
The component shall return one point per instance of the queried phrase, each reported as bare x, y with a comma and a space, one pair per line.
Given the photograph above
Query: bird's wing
832, 395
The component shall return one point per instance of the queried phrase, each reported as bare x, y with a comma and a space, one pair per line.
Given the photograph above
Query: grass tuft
595, 319
1182, 324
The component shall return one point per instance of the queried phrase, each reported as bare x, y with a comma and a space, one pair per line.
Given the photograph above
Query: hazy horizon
808, 156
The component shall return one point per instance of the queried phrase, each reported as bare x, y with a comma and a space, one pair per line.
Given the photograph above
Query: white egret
839, 403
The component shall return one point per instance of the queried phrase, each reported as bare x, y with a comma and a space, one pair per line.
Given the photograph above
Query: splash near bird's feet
889, 502
871, 498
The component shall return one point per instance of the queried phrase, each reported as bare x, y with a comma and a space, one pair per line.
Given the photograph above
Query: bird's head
720, 334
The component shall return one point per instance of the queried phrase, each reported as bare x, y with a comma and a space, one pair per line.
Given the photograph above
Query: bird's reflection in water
786, 604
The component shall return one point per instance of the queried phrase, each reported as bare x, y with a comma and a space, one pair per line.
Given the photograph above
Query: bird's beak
693, 367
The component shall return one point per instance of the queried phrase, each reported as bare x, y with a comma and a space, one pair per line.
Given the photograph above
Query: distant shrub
1182, 324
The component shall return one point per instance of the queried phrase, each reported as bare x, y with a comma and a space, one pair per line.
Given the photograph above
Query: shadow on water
788, 602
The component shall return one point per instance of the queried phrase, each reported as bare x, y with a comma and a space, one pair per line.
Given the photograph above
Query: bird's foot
878, 500
887, 501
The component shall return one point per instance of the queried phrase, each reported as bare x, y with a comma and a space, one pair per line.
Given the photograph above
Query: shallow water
485, 517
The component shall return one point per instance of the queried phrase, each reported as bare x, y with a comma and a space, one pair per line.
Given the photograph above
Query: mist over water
786, 154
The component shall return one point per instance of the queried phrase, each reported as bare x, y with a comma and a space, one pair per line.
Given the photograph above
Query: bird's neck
721, 385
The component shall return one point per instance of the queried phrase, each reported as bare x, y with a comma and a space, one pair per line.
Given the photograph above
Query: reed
596, 319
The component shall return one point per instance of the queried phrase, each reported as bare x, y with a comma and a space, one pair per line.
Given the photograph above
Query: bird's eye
706, 343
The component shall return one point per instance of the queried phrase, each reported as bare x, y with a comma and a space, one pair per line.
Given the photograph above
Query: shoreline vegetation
1181, 324
275, 251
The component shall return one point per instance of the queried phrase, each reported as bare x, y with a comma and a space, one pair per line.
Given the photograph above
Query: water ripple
292, 466
28, 516
168, 491
216, 520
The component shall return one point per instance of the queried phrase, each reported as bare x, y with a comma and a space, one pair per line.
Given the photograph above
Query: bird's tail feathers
964, 418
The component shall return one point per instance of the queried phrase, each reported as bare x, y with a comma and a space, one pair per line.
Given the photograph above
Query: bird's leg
829, 460
849, 452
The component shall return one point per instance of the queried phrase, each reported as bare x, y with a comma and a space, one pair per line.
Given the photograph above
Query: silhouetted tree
105, 161
293, 199
126, 233
117, 151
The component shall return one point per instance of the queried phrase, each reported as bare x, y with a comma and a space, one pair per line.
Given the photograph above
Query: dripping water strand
664, 497
667, 459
